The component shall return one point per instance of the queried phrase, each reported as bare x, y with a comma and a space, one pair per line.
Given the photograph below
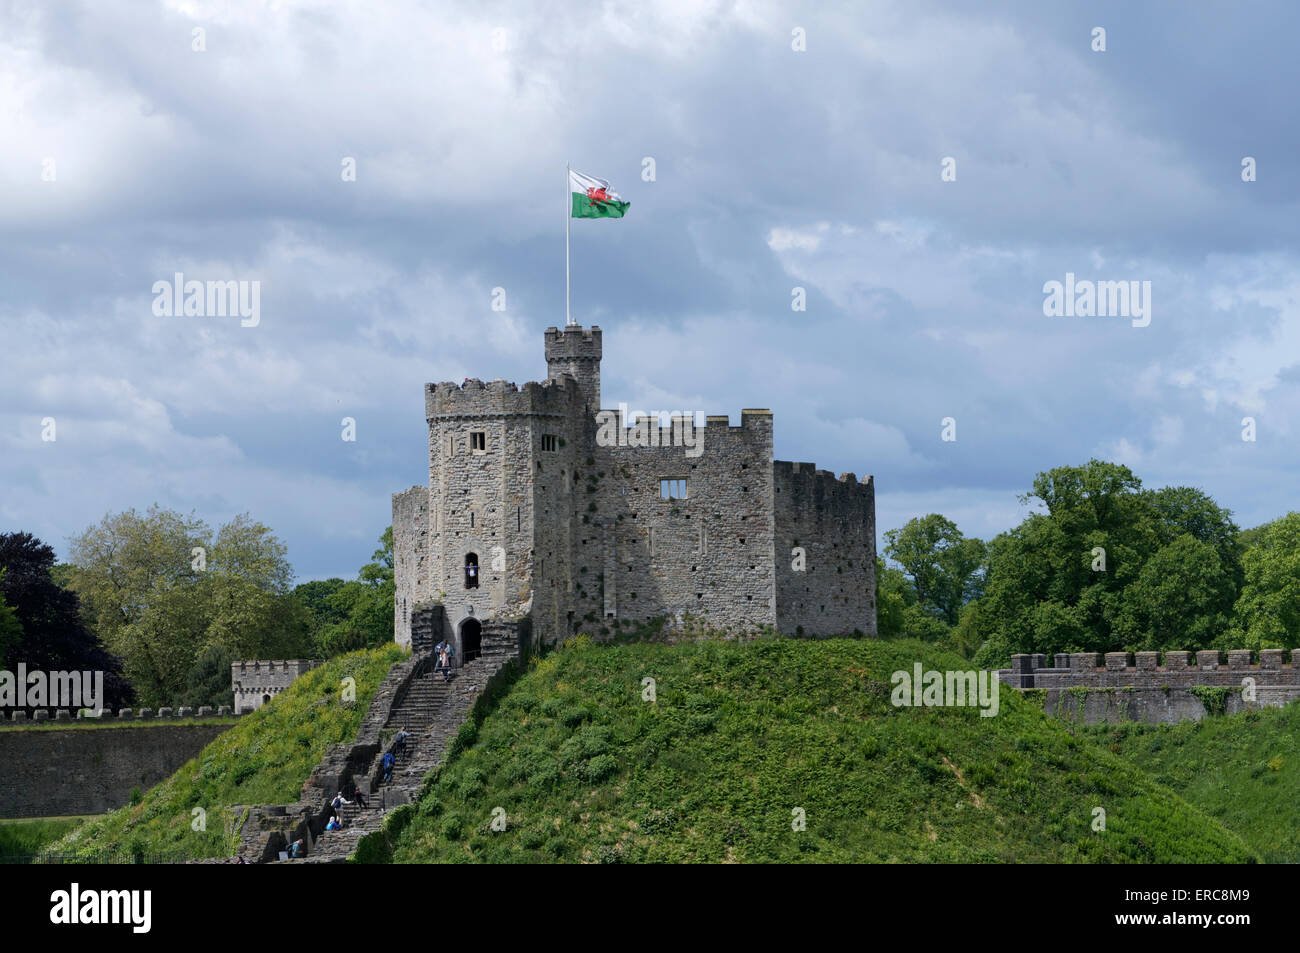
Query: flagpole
568, 214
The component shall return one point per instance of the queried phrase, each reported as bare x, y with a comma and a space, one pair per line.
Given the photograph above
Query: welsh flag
592, 198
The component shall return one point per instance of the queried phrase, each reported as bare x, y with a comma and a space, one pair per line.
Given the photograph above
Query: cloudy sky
129, 155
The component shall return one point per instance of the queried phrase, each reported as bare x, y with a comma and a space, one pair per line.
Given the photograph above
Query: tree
11, 630
892, 591
1267, 613
315, 597
362, 608
1082, 574
54, 637
898, 612
208, 681
162, 589
1182, 597
945, 568
248, 597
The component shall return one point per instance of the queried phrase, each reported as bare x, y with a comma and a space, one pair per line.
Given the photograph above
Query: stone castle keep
532, 511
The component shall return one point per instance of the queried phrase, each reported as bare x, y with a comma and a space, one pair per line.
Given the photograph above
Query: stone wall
1126, 686
410, 558
256, 683
505, 502
708, 555
833, 522
574, 534
62, 771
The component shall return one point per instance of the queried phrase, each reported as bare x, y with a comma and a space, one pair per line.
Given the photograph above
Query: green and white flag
592, 198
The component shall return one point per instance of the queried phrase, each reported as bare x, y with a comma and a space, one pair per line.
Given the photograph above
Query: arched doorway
266, 699
471, 640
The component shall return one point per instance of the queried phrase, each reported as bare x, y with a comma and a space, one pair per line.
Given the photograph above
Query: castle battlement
1157, 692
498, 398
801, 486
574, 341
274, 666
540, 503
751, 418
649, 430
807, 474
255, 682
1080, 668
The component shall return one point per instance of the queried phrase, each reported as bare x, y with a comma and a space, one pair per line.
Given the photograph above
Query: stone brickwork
410, 556
53, 772
1143, 686
256, 683
827, 525
571, 531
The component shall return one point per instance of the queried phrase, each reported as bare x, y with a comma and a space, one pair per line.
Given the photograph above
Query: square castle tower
572, 519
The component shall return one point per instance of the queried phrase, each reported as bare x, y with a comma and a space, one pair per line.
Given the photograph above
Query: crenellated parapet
802, 485
1144, 669
502, 398
1156, 686
255, 683
614, 431
542, 504
161, 715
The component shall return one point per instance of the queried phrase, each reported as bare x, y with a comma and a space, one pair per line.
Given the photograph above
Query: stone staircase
432, 709
424, 699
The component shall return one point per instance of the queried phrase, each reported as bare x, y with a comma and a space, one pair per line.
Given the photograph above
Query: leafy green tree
944, 567
54, 636
1074, 576
362, 607
898, 612
1183, 510
11, 630
1267, 613
315, 597
1249, 537
161, 590
1182, 597
208, 680
892, 593
247, 593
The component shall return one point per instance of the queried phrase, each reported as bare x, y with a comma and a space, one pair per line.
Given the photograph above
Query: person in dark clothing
357, 795
388, 766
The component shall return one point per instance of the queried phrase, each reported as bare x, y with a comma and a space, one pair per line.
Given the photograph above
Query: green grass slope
1243, 769
263, 759
19, 838
742, 735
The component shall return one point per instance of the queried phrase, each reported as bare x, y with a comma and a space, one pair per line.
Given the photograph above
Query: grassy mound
742, 738
1243, 769
264, 759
